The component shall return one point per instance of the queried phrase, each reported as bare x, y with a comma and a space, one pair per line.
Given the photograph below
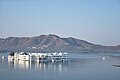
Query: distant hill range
52, 43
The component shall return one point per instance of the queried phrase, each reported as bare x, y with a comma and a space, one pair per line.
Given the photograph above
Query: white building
23, 56
38, 56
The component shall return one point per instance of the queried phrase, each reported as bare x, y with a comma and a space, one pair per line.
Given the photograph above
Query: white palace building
23, 56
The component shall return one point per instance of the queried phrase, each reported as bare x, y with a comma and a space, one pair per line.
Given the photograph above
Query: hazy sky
96, 21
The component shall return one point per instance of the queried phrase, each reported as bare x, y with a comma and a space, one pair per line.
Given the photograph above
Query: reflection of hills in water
38, 65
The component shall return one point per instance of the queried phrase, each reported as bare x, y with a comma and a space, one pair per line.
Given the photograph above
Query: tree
12, 54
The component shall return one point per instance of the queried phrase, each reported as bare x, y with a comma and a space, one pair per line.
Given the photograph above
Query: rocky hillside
51, 43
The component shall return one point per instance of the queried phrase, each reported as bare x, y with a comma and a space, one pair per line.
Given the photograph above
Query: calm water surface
90, 66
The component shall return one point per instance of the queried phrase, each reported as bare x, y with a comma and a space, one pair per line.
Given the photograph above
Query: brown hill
51, 43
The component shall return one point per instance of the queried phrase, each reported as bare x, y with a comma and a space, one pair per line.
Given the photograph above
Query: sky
96, 21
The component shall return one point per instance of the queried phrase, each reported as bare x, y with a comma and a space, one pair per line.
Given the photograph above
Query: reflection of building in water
10, 63
22, 64
38, 61
54, 66
19, 64
43, 66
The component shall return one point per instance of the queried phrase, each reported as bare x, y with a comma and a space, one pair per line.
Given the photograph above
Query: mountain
52, 43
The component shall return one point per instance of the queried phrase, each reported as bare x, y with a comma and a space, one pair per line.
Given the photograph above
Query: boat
116, 65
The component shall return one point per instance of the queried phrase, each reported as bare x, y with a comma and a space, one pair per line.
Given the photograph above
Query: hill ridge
51, 43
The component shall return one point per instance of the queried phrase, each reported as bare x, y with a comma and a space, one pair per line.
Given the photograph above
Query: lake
83, 66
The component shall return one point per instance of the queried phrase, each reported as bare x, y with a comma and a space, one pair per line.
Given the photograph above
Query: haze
96, 21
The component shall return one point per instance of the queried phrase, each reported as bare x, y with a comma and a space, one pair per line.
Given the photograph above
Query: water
90, 66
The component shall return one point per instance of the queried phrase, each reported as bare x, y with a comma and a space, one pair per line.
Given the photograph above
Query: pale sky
96, 21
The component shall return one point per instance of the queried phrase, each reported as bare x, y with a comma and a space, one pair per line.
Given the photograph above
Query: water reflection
85, 67
38, 65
